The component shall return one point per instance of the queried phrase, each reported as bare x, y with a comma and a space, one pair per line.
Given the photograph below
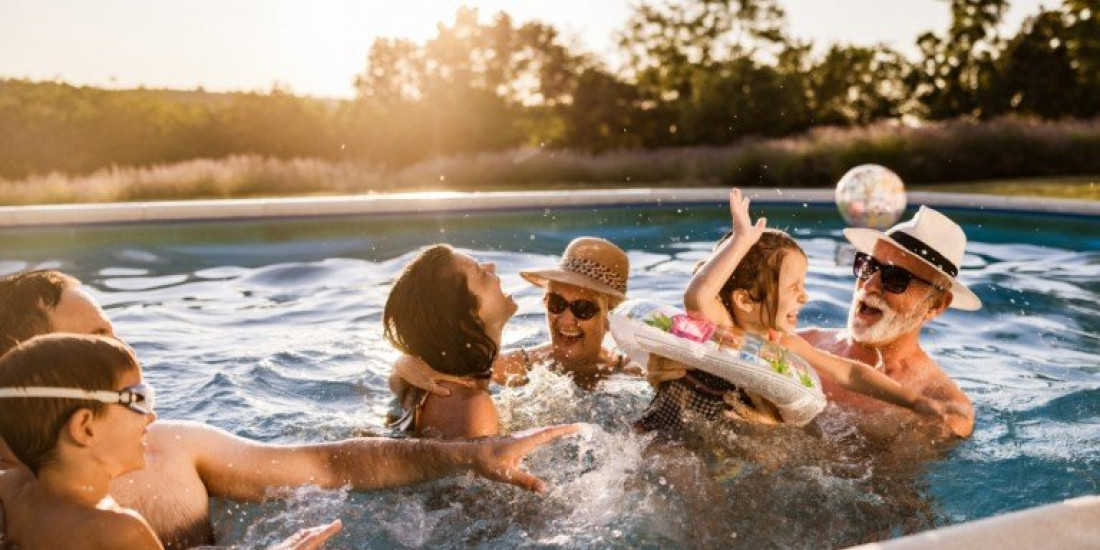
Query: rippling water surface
272, 331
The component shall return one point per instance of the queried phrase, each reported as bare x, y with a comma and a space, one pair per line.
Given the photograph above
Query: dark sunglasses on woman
895, 279
582, 309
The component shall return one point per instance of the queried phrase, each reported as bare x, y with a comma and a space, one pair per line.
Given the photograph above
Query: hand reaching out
310, 539
501, 458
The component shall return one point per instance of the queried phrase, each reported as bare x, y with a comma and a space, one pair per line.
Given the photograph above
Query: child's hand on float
743, 228
662, 369
761, 412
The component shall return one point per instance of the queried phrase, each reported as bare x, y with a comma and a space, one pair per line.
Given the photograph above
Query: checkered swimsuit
698, 397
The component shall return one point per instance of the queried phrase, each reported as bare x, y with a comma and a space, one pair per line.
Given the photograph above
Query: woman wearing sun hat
588, 282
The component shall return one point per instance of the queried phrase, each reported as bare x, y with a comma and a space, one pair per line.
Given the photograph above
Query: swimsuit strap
526, 359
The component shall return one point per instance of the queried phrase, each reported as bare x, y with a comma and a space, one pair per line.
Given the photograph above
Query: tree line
694, 73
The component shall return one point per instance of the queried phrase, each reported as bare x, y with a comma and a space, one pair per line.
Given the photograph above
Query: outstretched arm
237, 468
703, 294
860, 377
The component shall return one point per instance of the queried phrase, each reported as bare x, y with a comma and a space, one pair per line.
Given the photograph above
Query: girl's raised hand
743, 228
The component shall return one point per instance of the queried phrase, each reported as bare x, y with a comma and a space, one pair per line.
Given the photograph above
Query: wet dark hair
24, 299
758, 273
431, 314
32, 426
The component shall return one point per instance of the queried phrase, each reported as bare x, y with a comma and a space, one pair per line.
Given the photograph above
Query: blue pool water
272, 330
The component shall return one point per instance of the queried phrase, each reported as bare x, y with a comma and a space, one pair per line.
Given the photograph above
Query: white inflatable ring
642, 327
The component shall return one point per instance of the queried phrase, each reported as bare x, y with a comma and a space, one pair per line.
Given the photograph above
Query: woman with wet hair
448, 311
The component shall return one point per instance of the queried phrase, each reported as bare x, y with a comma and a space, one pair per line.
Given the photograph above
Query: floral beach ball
870, 195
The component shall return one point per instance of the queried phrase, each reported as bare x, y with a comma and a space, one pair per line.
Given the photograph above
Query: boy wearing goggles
75, 412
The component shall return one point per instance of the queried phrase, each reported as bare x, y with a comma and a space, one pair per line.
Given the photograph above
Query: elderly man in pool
905, 277
187, 463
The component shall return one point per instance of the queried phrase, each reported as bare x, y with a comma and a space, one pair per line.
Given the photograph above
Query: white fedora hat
931, 238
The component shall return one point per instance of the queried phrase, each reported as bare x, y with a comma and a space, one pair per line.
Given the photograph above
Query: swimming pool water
272, 330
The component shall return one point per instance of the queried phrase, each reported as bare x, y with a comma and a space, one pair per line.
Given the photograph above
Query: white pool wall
242, 209
1070, 525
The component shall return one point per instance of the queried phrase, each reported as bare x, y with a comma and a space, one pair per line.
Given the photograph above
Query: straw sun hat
589, 263
931, 238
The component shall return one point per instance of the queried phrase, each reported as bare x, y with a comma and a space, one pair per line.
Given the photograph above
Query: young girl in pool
755, 282
74, 411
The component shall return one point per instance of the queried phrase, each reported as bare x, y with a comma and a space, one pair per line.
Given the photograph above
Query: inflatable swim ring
642, 327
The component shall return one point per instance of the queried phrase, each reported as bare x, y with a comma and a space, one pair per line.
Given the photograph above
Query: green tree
473, 87
673, 48
1036, 73
1082, 39
602, 113
854, 85
955, 74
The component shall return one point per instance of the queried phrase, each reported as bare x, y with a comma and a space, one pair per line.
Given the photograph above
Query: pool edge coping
1067, 525
397, 203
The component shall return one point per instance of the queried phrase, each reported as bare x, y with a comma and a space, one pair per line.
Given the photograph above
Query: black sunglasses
582, 309
894, 279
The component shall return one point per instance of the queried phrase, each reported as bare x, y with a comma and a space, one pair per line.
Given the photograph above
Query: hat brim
864, 240
541, 277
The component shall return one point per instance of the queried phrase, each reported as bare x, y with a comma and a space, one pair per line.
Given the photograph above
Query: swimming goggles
140, 398
895, 279
582, 309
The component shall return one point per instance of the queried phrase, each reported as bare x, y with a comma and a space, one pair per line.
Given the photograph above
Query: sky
317, 47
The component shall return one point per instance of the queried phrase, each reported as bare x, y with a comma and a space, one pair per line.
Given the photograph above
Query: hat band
594, 270
919, 248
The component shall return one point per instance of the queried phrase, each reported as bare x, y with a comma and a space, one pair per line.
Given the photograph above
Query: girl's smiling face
792, 291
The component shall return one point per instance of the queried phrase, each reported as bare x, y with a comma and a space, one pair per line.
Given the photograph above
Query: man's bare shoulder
180, 435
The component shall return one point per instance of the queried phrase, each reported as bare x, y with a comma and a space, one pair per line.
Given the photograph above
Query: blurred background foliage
716, 87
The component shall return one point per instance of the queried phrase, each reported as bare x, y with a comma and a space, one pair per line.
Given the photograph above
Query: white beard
889, 327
